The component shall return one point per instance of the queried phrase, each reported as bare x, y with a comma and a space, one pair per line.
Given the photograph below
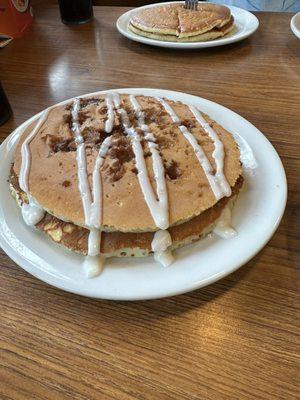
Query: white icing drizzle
26, 155
141, 117
169, 110
96, 206
116, 99
203, 160
75, 124
137, 108
158, 209
93, 265
109, 123
160, 245
165, 258
223, 226
32, 212
162, 239
158, 167
94, 242
218, 153
246, 154
92, 203
83, 183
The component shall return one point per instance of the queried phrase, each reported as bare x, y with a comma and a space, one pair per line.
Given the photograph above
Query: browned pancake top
175, 19
162, 18
205, 18
53, 178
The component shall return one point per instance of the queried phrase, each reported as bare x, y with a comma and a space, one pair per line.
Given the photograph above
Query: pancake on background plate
126, 175
172, 22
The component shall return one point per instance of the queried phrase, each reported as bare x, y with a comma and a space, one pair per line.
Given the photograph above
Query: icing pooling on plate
93, 265
223, 227
32, 212
164, 257
161, 244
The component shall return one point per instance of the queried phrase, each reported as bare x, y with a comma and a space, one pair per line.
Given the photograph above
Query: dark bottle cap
75, 11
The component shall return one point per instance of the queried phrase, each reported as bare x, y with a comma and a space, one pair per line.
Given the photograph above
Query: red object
15, 17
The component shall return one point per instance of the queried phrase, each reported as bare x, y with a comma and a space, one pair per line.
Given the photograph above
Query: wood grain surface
235, 339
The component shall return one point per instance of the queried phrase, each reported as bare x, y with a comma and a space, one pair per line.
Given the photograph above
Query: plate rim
184, 45
294, 29
36, 271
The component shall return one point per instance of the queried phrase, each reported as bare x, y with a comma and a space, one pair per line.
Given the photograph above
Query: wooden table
235, 339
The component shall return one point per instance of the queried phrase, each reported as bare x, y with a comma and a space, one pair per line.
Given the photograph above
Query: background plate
295, 25
245, 23
256, 216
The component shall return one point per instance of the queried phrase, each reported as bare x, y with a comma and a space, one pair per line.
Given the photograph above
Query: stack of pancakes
174, 23
127, 224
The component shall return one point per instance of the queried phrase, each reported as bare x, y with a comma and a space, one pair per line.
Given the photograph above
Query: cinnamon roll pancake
173, 22
126, 175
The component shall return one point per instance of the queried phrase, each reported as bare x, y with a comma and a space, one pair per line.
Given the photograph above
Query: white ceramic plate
256, 215
295, 25
245, 25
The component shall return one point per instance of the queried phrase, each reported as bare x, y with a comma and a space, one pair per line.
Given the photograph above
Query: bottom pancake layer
120, 244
